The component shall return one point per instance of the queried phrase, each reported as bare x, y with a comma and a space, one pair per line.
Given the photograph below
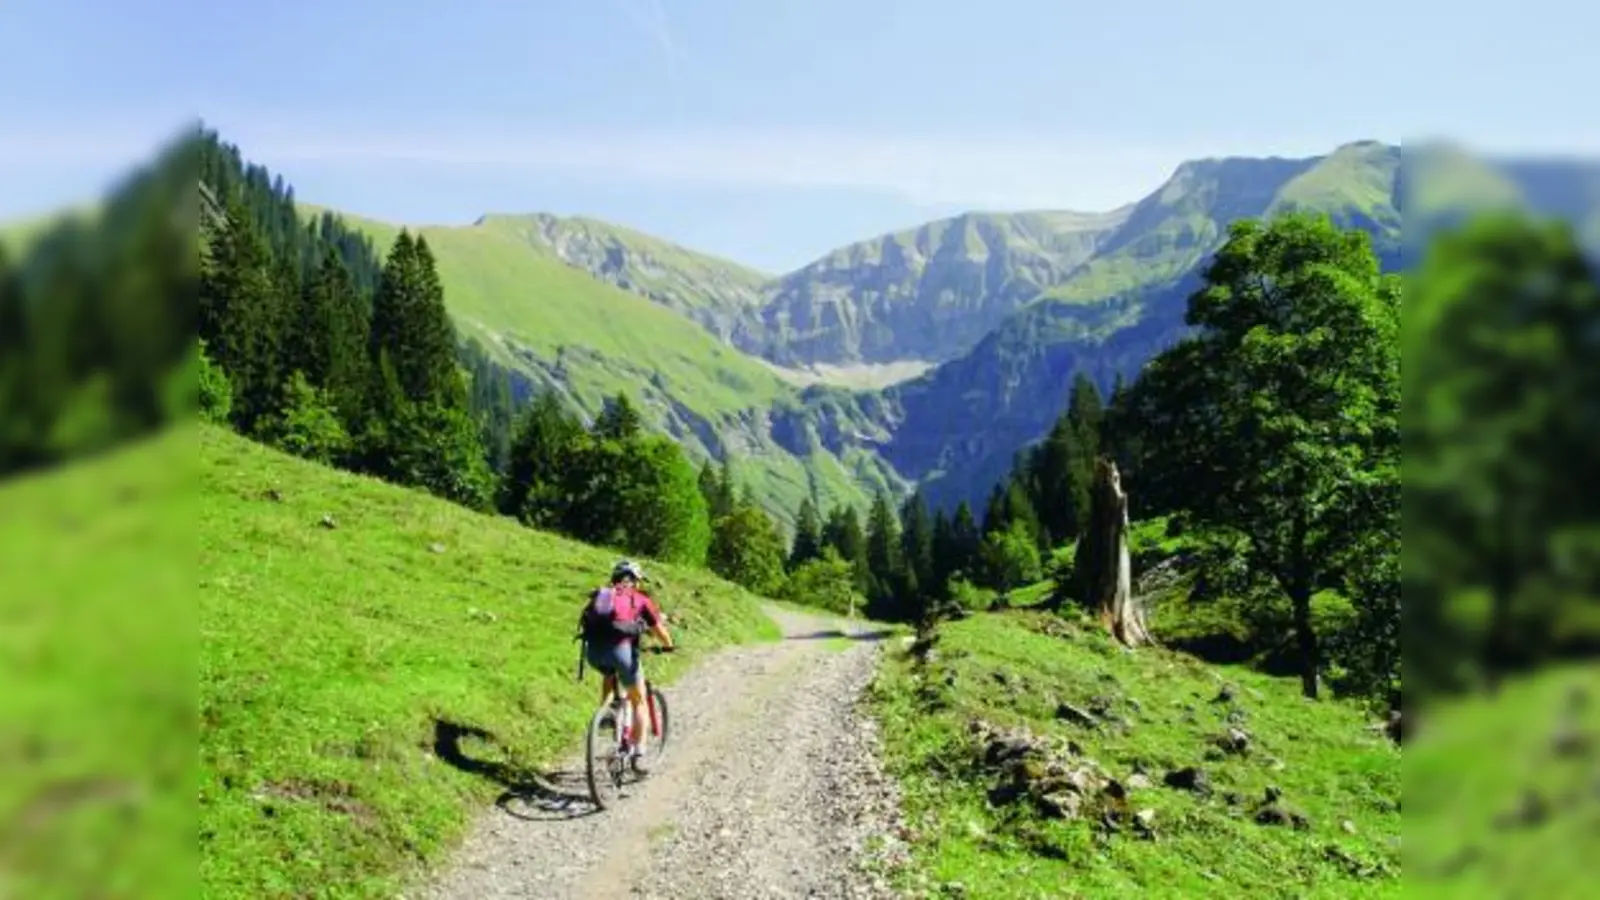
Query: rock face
929, 293
1011, 306
723, 296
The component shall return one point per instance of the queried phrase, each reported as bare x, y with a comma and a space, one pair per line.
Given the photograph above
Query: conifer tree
807, 536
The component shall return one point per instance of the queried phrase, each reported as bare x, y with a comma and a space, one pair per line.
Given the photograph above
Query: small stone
1138, 781
435, 547
1188, 778
328, 522
1063, 805
1225, 695
1069, 713
1235, 741
1274, 814
1348, 826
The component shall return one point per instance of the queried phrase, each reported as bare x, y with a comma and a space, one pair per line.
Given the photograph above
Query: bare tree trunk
1106, 569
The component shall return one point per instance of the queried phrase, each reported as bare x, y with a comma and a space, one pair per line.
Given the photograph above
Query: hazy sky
766, 130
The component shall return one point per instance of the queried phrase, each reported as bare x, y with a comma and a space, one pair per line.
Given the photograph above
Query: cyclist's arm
658, 623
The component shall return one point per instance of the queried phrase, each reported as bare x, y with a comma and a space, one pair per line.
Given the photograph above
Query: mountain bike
608, 746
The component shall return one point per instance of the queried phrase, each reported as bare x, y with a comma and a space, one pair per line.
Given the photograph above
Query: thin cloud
1000, 171
651, 17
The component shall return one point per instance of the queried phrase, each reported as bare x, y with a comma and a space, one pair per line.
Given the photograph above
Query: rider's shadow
535, 796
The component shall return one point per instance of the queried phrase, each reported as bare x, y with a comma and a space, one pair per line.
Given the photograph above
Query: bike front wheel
660, 723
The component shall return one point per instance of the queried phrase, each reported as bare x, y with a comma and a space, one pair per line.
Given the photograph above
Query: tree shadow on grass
537, 796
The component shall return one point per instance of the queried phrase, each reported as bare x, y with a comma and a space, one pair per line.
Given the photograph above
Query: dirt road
769, 788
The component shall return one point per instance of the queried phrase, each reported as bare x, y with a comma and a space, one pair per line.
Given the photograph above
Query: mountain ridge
990, 314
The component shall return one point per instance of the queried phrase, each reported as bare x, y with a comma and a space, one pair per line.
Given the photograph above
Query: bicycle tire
598, 743
658, 743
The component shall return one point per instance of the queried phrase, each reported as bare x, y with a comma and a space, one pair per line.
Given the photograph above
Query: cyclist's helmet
626, 568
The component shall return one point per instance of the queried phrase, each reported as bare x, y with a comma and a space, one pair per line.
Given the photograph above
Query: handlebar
657, 648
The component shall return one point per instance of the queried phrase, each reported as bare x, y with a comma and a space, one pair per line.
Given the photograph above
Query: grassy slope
597, 339
1175, 228
97, 662
328, 656
497, 284
1472, 766
1332, 769
673, 265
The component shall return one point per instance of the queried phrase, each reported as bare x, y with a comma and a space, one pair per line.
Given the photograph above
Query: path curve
769, 789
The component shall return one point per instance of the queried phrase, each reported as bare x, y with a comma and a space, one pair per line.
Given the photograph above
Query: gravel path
769, 789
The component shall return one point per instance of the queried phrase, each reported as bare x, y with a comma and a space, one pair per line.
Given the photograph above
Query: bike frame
624, 710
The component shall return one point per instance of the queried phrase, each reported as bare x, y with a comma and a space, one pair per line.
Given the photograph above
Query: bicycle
609, 758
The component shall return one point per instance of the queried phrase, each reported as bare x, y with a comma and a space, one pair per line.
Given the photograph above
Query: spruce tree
409, 321
537, 486
843, 533
807, 536
916, 543
619, 420
239, 316
965, 541
884, 560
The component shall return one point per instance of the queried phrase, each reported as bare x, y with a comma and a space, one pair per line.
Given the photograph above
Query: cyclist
614, 652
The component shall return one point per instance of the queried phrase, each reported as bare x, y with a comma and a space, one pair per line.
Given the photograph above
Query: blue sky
768, 131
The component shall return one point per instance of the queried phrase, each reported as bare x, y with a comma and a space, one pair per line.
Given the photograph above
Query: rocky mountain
722, 296
929, 293
567, 331
1011, 306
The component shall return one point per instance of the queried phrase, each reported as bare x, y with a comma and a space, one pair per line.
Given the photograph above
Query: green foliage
544, 450
893, 587
659, 501
747, 549
618, 420
410, 325
1278, 422
216, 394
329, 340
968, 596
716, 486
307, 426
1503, 558
97, 320
436, 448
1010, 557
916, 552
807, 544
243, 315
843, 533
638, 493
826, 581
956, 548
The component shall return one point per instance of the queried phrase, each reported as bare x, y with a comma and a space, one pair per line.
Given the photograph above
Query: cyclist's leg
631, 675
601, 659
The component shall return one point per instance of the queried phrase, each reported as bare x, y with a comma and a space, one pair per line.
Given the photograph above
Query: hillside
590, 340
722, 296
351, 633
1171, 231
1009, 307
960, 425
1039, 758
98, 710
928, 293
